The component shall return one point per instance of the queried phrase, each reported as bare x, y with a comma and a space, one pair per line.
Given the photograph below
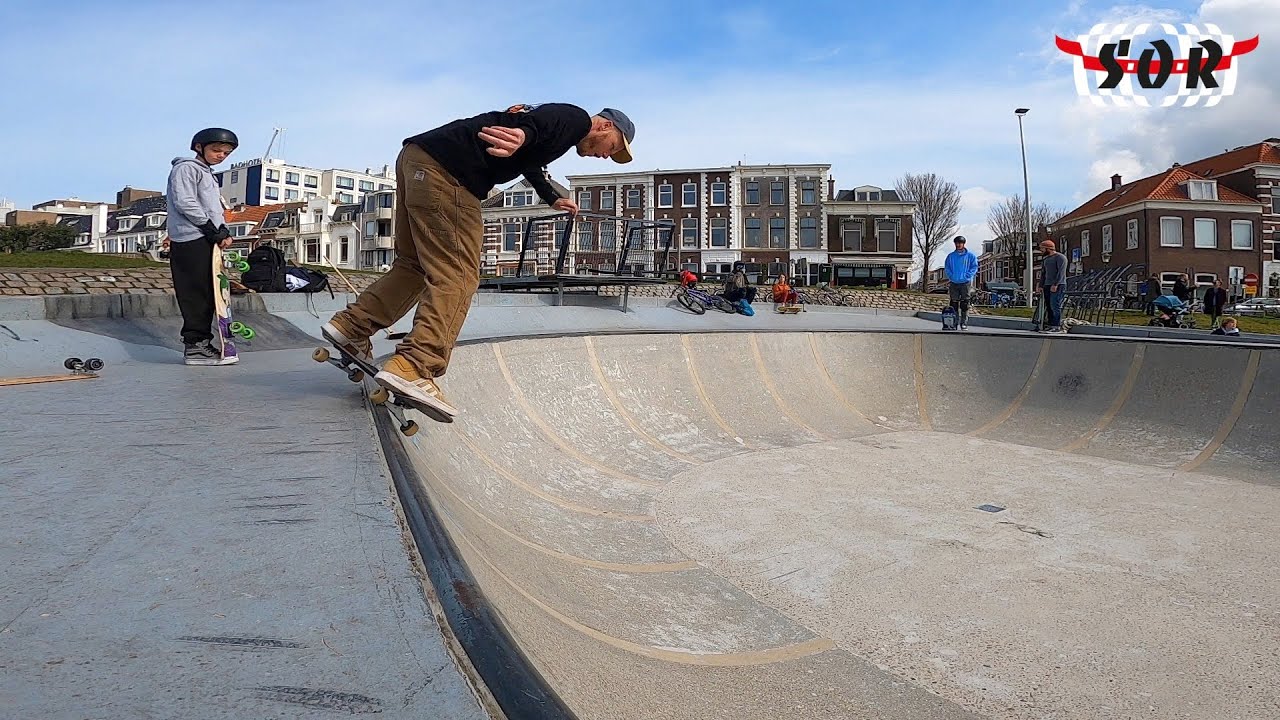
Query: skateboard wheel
355, 375
320, 355
242, 266
409, 429
247, 332
379, 396
237, 327
233, 255
71, 363
93, 364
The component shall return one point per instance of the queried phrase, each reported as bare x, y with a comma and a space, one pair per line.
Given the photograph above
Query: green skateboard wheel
233, 256
247, 333
242, 266
237, 327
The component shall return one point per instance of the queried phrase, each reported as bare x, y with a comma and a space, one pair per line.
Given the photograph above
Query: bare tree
1007, 221
937, 210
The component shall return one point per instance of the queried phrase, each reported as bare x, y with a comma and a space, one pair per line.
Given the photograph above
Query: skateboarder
1053, 285
961, 268
196, 223
441, 177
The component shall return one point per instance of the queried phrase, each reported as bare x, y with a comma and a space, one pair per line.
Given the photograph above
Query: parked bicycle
697, 301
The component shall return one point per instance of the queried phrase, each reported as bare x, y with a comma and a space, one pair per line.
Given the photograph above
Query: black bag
266, 270
315, 280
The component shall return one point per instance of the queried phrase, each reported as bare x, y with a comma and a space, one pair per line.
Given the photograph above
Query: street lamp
1026, 189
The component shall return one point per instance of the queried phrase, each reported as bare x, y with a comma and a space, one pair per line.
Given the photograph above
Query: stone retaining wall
156, 281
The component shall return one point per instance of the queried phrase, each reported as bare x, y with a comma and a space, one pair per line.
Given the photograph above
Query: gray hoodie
193, 199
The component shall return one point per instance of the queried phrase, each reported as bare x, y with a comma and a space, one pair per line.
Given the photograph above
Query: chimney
831, 188
1115, 182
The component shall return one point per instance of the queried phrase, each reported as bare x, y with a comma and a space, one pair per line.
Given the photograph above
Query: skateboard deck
228, 328
395, 403
80, 370
789, 309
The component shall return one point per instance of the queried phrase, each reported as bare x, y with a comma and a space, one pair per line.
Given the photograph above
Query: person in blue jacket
961, 268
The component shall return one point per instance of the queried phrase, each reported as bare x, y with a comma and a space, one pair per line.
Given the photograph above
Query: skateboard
356, 370
790, 309
1038, 313
80, 370
949, 321
228, 329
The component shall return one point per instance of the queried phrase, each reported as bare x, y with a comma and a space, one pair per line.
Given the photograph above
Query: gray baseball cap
628, 128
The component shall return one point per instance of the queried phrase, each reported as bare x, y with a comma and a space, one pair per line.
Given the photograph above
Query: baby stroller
1172, 313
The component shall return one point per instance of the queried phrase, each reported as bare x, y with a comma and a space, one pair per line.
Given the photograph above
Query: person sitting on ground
737, 287
1228, 327
783, 292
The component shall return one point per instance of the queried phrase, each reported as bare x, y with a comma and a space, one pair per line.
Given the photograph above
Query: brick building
1173, 222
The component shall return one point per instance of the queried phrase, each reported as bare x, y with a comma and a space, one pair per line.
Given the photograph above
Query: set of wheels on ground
75, 364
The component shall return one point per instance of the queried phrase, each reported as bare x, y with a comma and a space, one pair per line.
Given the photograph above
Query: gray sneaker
204, 353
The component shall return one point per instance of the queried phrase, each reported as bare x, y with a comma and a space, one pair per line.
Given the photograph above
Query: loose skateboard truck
76, 365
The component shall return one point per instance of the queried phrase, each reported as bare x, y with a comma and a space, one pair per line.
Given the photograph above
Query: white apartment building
271, 181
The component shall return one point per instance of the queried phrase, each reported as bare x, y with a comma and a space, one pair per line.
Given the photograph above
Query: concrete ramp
871, 525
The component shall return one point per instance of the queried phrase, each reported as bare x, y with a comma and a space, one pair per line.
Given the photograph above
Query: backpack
313, 281
266, 270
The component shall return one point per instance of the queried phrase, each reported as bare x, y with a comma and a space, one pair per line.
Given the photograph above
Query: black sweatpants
191, 264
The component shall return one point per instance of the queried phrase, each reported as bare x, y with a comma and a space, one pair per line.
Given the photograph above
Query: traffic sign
1251, 280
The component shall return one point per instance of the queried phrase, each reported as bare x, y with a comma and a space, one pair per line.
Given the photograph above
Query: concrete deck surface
777, 519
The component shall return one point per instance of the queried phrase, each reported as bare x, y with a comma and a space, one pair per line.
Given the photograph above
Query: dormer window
1202, 189
124, 225
154, 220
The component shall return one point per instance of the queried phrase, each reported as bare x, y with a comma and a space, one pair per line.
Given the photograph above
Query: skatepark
843, 513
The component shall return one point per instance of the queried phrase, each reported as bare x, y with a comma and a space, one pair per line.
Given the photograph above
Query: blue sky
106, 94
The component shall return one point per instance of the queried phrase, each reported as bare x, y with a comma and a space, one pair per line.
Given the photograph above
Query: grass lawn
1258, 325
60, 259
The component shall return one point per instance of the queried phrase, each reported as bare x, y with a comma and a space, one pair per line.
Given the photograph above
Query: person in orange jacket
782, 292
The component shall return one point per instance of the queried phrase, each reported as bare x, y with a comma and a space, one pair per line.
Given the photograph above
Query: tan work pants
438, 240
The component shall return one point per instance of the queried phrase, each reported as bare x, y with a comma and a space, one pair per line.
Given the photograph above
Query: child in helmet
196, 223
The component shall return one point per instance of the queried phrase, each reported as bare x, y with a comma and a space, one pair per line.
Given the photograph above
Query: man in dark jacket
1215, 299
1154, 291
441, 177
1182, 288
1053, 282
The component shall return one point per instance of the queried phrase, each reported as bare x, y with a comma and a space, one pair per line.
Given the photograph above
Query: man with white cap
441, 177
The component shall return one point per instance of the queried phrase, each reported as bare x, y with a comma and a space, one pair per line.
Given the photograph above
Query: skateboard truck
379, 396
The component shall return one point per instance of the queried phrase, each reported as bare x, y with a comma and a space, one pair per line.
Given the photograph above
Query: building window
689, 194
584, 236
309, 196
1206, 233
291, 178
510, 237
290, 194
1170, 232
606, 199
346, 198
273, 175
851, 235
886, 236
584, 200
1084, 243
1131, 243
370, 227
633, 199
755, 235
1275, 199
689, 232
1106, 239
366, 186
719, 232
809, 233
753, 193
272, 193
235, 176
1202, 190
609, 236
384, 228
777, 232
665, 195
388, 200
309, 181
776, 194
808, 193
153, 221
1241, 235
868, 196
345, 183
312, 247
718, 193
344, 249
519, 198
561, 226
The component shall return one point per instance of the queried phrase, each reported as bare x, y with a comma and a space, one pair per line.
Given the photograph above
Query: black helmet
213, 135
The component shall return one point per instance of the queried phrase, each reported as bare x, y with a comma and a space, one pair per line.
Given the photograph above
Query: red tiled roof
1266, 152
1163, 186
257, 213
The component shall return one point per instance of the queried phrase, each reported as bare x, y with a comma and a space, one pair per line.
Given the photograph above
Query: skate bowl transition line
831, 524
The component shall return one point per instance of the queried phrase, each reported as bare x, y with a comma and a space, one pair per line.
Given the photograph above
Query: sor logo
1169, 63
